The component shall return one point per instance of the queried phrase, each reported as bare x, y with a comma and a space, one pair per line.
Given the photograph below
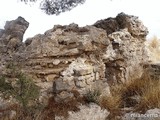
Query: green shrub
5, 85
21, 87
93, 95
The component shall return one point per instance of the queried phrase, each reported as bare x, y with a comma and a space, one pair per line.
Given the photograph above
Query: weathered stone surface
128, 53
1, 32
60, 85
12, 35
122, 20
76, 58
50, 77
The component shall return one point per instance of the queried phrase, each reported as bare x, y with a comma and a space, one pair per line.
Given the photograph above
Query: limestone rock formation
127, 50
71, 58
122, 21
12, 35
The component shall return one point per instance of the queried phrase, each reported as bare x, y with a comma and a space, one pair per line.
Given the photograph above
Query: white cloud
85, 14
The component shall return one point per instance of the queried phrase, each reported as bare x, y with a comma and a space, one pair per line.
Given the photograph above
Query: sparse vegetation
150, 96
154, 43
22, 89
140, 94
91, 112
93, 95
111, 103
153, 46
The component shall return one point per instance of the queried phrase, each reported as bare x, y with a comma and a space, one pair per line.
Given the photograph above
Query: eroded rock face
126, 52
122, 21
12, 35
71, 58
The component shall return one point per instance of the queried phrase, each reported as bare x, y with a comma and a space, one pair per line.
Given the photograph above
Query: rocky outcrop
122, 21
12, 35
71, 58
127, 36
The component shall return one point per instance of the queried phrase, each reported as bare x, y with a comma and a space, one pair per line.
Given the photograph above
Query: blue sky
86, 14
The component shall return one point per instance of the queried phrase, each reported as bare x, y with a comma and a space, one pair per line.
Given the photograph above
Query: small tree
57, 6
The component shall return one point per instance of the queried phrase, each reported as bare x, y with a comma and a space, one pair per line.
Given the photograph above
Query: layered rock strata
71, 58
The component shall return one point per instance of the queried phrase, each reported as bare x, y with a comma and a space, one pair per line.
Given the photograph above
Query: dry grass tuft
90, 112
154, 42
150, 97
111, 103
147, 90
153, 49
